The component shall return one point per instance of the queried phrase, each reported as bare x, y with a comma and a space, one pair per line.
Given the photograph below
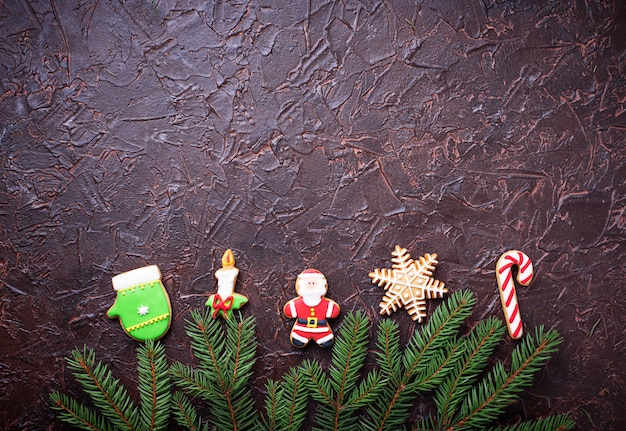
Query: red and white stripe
504, 275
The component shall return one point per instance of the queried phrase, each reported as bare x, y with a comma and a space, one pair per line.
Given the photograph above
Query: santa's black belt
312, 322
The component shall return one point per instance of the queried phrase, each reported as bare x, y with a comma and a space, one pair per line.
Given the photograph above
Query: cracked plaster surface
310, 134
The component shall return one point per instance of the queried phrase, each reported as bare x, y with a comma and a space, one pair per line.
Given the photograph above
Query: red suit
311, 321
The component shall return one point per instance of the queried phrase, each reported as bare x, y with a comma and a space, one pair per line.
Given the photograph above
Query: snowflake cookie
408, 283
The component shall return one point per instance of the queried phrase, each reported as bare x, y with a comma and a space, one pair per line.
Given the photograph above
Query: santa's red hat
311, 273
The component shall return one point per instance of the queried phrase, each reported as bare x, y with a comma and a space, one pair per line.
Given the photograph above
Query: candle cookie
226, 299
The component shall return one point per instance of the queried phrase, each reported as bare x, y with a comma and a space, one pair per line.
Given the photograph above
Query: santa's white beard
312, 297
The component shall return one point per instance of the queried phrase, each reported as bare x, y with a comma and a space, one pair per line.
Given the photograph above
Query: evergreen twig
467, 395
225, 367
499, 389
105, 391
186, 414
551, 423
421, 359
115, 410
154, 386
476, 349
76, 414
285, 402
338, 391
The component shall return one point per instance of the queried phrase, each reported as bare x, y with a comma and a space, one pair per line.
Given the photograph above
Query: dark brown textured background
310, 134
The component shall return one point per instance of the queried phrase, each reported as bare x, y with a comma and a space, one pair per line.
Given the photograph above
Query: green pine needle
208, 344
436, 359
389, 356
186, 414
499, 388
437, 368
76, 414
286, 401
225, 367
193, 381
428, 358
441, 328
319, 384
114, 409
338, 391
241, 360
476, 350
349, 353
367, 391
294, 397
273, 394
107, 394
154, 386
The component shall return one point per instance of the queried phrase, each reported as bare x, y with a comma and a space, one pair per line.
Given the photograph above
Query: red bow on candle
221, 305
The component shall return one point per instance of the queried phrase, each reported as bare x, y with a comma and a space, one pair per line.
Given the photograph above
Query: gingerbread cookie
142, 303
311, 309
408, 283
226, 299
508, 297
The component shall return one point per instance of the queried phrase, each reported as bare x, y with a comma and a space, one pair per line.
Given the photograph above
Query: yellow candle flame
228, 260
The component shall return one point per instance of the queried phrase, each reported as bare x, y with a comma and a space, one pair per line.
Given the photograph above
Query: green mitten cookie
142, 303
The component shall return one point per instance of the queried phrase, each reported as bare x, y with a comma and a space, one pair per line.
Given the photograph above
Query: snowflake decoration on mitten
408, 283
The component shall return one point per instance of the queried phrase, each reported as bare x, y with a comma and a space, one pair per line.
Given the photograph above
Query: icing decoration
226, 299
142, 303
408, 283
311, 309
506, 286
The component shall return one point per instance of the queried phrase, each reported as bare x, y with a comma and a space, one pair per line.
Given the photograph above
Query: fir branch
438, 368
208, 344
366, 392
76, 414
273, 392
194, 381
443, 325
154, 386
337, 391
435, 357
422, 354
240, 335
241, 338
349, 353
225, 367
295, 397
104, 390
286, 401
319, 384
551, 423
499, 388
389, 356
186, 414
391, 411
476, 350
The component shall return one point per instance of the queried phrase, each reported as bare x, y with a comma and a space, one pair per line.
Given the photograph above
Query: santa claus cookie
311, 309
142, 303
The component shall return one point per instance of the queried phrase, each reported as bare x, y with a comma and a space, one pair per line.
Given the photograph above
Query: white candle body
226, 279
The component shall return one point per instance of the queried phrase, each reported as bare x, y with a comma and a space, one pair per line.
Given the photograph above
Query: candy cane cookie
504, 275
